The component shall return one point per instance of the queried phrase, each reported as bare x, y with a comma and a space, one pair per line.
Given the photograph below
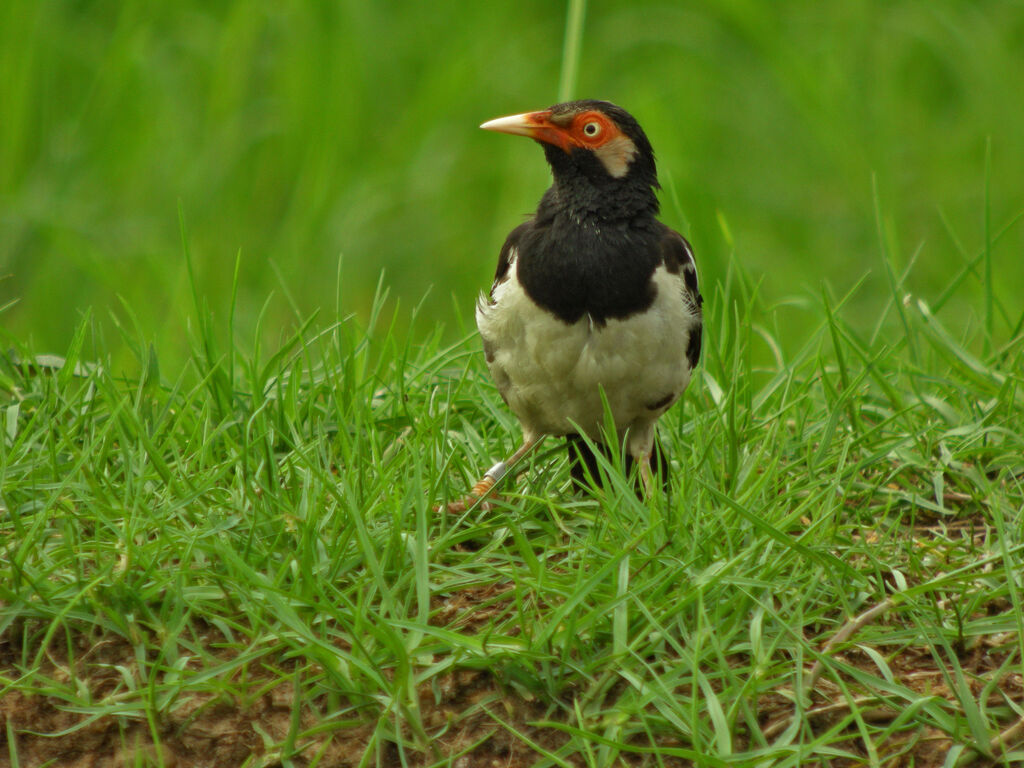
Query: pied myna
594, 299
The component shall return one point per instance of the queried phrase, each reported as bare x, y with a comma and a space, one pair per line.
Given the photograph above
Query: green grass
296, 133
218, 535
248, 547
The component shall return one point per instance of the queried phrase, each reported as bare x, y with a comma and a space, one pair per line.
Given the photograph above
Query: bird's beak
536, 125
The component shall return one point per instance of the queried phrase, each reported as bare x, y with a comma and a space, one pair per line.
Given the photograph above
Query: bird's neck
584, 191
581, 200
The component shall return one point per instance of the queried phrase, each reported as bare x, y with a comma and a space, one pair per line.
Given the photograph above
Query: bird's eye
592, 129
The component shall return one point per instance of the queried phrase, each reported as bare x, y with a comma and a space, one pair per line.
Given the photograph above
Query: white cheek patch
616, 155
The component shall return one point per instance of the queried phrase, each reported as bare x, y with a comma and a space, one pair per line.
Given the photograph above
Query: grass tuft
250, 546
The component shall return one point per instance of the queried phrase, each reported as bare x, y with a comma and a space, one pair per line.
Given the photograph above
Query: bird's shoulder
677, 256
508, 252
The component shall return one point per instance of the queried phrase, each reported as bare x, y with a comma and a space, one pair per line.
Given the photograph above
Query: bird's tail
583, 463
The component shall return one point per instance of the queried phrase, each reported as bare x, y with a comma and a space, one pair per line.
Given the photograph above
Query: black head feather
583, 185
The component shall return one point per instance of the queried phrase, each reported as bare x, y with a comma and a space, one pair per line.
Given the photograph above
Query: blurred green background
304, 133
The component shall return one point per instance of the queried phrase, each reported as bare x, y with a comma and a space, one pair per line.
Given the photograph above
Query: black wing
507, 254
678, 256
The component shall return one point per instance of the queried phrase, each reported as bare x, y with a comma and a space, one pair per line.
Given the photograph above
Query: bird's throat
584, 189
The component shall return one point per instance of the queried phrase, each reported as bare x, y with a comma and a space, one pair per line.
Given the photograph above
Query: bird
594, 299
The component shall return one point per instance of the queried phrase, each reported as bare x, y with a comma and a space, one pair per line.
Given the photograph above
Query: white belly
552, 374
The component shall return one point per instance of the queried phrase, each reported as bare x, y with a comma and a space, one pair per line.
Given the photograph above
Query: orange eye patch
593, 129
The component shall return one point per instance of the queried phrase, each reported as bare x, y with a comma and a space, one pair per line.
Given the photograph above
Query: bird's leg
646, 480
493, 475
641, 446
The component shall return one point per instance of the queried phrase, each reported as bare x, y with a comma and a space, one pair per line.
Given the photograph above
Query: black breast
574, 268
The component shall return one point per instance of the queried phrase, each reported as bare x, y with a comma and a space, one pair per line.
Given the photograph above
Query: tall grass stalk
572, 49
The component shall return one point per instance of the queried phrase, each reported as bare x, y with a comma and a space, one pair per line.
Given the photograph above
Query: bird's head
597, 151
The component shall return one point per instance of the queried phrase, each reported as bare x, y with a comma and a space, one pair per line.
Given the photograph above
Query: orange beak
535, 125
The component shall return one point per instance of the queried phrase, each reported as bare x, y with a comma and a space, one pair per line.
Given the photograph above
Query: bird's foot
476, 494
467, 502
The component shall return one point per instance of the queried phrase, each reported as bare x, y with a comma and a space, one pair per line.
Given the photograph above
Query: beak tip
522, 125
496, 124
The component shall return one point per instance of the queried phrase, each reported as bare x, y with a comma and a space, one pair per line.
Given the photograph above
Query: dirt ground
201, 731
